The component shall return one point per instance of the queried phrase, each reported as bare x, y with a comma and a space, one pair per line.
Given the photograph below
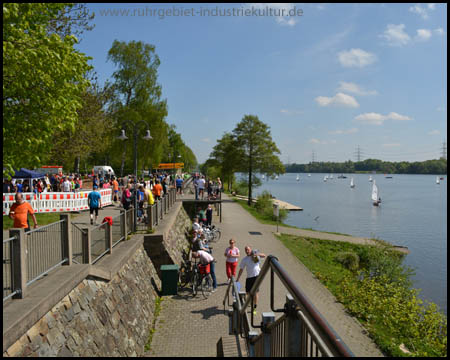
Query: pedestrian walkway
190, 326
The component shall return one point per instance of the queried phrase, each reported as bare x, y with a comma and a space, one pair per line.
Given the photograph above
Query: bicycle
212, 233
202, 278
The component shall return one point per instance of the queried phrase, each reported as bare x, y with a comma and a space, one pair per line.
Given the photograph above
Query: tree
225, 154
257, 152
93, 133
42, 83
138, 98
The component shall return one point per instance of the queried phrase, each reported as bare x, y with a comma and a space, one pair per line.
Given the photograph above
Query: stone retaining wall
98, 318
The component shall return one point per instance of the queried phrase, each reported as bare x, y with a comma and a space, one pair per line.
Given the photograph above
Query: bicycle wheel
206, 286
184, 276
195, 280
217, 235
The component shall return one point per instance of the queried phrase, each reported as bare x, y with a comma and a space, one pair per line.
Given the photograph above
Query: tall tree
256, 149
139, 97
226, 154
42, 83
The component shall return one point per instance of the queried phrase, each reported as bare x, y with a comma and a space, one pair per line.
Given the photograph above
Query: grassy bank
374, 287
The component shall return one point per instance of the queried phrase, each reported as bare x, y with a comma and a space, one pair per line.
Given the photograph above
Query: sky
328, 79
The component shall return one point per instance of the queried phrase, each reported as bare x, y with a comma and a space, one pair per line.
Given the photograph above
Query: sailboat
375, 195
298, 178
352, 185
370, 178
437, 180
276, 177
262, 176
325, 178
309, 175
331, 176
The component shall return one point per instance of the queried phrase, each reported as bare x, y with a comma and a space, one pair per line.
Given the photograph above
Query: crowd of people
213, 187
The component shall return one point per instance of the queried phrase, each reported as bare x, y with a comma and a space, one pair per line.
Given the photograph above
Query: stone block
17, 348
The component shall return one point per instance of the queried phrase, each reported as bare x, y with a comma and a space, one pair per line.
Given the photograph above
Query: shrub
264, 206
348, 259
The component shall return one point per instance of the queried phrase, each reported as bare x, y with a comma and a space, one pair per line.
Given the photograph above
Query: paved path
192, 327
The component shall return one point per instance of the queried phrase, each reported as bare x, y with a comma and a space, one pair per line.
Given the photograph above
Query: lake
413, 213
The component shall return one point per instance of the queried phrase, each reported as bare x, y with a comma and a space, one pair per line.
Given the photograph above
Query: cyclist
206, 258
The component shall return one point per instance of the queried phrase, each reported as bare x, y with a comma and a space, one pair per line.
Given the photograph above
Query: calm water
413, 213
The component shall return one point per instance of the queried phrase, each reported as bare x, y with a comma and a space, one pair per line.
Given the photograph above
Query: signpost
170, 166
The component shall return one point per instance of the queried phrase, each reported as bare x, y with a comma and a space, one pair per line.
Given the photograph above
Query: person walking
209, 214
94, 202
19, 213
206, 258
157, 189
232, 255
179, 183
251, 263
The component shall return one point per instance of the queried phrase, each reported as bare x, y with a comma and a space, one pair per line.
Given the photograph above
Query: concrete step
232, 346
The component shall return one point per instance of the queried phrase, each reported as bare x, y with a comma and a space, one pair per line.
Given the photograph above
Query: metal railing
29, 256
300, 331
45, 250
8, 267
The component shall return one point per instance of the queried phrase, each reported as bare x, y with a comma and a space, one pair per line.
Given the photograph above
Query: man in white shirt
251, 262
207, 258
196, 226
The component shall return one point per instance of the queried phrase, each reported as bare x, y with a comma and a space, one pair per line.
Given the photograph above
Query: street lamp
123, 137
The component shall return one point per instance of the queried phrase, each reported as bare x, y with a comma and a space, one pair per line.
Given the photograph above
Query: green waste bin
169, 279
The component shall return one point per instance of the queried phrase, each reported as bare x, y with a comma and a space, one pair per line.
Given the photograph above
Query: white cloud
417, 9
395, 116
423, 34
356, 57
341, 132
440, 108
431, 6
355, 89
395, 35
339, 99
314, 141
206, 140
434, 132
379, 119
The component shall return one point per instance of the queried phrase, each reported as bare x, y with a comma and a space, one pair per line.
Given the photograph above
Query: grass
327, 232
42, 219
377, 293
158, 302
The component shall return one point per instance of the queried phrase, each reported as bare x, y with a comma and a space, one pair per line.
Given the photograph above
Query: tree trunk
77, 165
123, 158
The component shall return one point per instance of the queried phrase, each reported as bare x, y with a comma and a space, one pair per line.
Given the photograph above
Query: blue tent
27, 174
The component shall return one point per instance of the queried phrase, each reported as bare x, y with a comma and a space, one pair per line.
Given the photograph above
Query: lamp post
123, 137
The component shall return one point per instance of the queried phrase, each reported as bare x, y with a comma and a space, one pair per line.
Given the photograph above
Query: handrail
332, 340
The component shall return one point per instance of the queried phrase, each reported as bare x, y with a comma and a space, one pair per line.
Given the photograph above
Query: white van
104, 170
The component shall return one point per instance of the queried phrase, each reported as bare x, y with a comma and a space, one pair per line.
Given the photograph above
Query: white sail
374, 192
262, 176
298, 177
351, 183
325, 178
309, 175
437, 180
331, 176
276, 177
370, 178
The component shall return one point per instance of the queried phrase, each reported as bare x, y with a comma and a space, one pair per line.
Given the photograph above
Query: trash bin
169, 279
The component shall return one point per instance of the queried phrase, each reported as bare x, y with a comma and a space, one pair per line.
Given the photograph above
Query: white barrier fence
57, 201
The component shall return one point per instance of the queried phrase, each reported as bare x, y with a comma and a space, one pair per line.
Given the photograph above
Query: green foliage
437, 166
43, 80
378, 295
256, 149
264, 206
348, 259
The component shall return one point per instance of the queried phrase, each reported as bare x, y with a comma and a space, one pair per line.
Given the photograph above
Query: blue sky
334, 78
